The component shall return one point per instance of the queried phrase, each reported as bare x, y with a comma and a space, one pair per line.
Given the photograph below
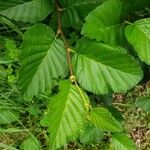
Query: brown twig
59, 31
68, 51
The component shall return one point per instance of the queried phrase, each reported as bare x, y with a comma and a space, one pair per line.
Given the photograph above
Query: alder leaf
4, 4
91, 135
143, 103
103, 120
31, 11
31, 143
8, 116
138, 34
43, 60
102, 23
116, 113
120, 141
66, 115
76, 11
101, 68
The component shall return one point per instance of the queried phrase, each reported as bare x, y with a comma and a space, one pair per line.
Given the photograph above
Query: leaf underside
66, 115
103, 120
91, 135
31, 11
9, 3
8, 116
31, 143
43, 60
138, 34
120, 141
102, 23
76, 11
144, 103
102, 68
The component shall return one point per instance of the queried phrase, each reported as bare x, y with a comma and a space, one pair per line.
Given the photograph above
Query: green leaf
11, 25
6, 147
43, 60
91, 135
102, 23
8, 116
4, 4
76, 11
31, 143
31, 11
115, 112
12, 52
121, 141
12, 130
104, 120
3, 71
66, 115
107, 99
102, 68
144, 103
138, 34
33, 110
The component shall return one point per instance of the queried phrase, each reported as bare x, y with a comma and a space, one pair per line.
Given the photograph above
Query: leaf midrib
64, 111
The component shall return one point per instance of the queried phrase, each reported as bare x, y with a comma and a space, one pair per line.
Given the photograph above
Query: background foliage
102, 46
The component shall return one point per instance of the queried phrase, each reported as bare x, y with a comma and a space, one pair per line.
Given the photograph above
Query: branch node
58, 33
60, 9
72, 78
69, 50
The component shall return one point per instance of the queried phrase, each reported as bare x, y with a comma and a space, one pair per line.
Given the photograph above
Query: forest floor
137, 121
